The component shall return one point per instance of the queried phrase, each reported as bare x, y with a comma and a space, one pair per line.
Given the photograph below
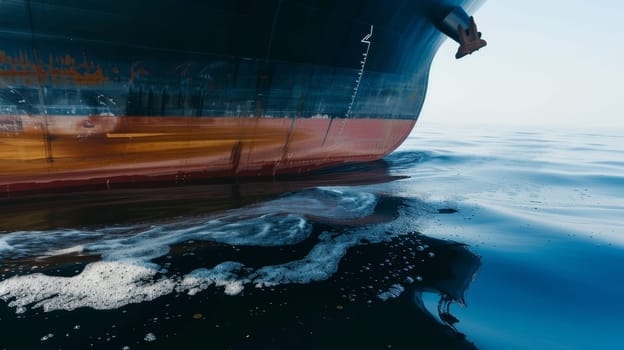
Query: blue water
545, 210
465, 237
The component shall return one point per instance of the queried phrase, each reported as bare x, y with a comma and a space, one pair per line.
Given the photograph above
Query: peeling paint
58, 70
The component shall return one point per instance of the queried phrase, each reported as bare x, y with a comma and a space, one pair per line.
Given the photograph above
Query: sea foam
128, 274
101, 285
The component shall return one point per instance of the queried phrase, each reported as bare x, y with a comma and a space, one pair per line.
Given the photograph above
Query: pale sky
548, 62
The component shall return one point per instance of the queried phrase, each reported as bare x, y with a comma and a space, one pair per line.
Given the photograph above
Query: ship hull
173, 92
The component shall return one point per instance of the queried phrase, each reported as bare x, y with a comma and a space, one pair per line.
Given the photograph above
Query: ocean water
464, 238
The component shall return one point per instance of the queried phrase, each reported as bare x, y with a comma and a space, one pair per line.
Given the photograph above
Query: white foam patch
71, 250
101, 285
222, 275
393, 292
127, 274
322, 261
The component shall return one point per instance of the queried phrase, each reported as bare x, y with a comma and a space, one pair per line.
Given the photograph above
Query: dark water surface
462, 239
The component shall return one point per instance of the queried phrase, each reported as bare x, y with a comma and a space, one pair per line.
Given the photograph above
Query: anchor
462, 28
469, 40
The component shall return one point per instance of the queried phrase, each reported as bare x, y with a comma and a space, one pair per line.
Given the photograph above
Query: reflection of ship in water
136, 204
195, 198
450, 280
443, 269
347, 282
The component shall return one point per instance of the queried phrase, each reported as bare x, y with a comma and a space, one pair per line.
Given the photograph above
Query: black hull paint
281, 58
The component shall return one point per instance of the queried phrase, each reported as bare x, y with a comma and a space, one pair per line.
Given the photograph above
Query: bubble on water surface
392, 293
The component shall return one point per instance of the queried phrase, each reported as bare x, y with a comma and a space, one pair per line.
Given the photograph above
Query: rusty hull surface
101, 152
